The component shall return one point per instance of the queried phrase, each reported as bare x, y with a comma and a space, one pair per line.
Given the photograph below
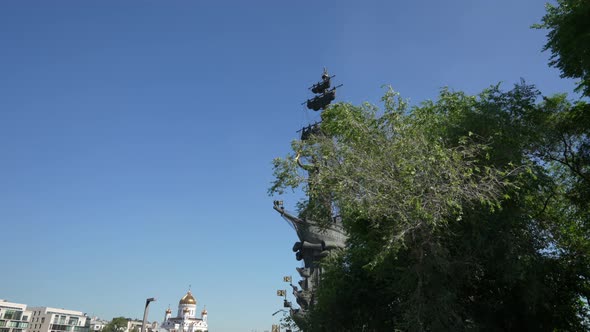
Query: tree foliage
569, 39
117, 324
390, 167
464, 213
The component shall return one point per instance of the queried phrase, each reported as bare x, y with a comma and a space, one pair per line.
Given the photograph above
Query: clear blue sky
136, 138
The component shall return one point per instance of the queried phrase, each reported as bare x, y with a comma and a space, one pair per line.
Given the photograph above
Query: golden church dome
168, 311
188, 299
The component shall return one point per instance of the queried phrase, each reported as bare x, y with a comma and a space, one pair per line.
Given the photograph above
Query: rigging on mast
324, 95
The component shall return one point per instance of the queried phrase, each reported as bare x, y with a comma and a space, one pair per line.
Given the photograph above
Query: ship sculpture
315, 241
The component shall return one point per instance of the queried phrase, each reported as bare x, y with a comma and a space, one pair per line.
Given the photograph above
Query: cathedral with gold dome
186, 320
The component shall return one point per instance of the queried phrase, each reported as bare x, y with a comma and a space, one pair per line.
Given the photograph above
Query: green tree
569, 39
565, 147
463, 213
392, 166
117, 324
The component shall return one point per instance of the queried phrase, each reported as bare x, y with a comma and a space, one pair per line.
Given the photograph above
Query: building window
12, 314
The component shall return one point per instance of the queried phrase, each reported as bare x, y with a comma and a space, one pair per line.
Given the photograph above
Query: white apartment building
14, 317
134, 325
46, 319
96, 324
